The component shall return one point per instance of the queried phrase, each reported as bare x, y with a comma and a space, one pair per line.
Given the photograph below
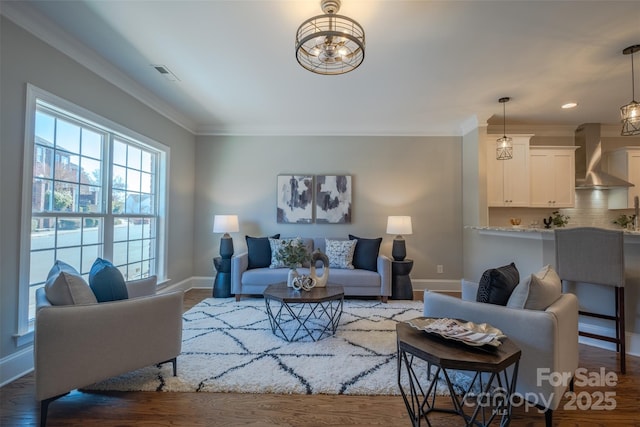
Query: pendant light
631, 112
504, 148
330, 44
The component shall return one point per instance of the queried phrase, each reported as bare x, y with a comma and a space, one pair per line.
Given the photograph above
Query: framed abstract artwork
295, 199
333, 199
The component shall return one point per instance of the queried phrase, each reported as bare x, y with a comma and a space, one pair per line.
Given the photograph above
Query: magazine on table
466, 332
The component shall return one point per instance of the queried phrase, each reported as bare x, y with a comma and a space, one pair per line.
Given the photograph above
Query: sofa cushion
259, 251
65, 286
497, 284
365, 256
107, 282
538, 291
340, 253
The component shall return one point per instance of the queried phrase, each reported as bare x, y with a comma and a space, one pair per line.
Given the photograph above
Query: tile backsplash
590, 211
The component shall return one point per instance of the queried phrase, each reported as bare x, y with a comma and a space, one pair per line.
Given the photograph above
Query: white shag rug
228, 346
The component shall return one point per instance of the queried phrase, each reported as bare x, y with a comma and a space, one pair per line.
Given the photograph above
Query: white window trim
25, 328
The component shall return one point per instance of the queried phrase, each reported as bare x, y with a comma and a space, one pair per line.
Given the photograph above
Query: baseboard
16, 365
436, 285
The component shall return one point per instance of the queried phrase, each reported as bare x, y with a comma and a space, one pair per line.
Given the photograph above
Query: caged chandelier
631, 112
330, 44
504, 145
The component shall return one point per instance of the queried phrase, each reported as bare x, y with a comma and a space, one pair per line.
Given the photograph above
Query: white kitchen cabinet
624, 163
552, 178
508, 180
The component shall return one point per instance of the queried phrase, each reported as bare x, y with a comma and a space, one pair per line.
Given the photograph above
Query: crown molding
26, 17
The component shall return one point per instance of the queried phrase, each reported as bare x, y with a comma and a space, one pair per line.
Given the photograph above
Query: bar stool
596, 256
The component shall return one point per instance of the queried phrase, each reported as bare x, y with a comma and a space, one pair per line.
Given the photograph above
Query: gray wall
28, 59
417, 176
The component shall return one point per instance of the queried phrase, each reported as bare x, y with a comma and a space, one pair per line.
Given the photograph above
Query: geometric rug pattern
228, 346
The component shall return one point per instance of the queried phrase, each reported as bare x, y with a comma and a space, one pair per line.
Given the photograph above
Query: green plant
559, 220
293, 253
624, 220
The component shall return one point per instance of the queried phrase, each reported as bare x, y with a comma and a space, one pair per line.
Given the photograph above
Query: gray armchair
78, 345
547, 338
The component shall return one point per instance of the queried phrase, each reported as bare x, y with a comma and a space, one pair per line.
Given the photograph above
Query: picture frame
333, 199
294, 203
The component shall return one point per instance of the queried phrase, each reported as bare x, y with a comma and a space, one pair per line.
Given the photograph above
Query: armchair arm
78, 345
384, 269
544, 336
239, 264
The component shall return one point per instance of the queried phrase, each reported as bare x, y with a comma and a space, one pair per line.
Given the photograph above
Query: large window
95, 192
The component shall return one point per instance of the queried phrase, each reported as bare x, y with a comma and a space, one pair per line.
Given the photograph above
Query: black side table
222, 283
401, 287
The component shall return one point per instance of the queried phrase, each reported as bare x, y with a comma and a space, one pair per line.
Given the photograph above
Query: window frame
33, 95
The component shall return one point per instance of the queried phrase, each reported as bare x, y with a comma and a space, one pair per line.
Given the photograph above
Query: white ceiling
430, 68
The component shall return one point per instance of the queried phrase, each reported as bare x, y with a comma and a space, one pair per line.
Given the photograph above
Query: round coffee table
296, 315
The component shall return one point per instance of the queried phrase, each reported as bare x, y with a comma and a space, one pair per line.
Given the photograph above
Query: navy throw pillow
259, 251
107, 282
497, 284
365, 256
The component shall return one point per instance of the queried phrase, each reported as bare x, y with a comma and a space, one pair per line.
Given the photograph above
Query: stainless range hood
588, 160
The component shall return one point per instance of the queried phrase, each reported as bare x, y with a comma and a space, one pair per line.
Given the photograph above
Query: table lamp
399, 225
226, 224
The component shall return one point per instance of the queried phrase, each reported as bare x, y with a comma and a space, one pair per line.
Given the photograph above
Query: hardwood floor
18, 406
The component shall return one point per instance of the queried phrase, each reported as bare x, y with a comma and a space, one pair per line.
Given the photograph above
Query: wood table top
450, 354
283, 293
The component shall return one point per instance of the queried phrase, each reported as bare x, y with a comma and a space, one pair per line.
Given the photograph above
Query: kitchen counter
538, 233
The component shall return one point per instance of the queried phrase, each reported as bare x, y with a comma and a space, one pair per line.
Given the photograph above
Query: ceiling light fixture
631, 112
569, 105
330, 44
504, 149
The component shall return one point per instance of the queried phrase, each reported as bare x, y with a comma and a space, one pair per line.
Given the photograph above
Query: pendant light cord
504, 119
633, 83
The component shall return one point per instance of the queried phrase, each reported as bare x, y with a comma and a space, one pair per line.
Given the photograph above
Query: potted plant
293, 254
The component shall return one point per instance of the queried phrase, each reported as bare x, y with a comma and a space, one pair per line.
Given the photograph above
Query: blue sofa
356, 282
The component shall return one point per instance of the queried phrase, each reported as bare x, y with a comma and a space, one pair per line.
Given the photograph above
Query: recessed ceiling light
569, 105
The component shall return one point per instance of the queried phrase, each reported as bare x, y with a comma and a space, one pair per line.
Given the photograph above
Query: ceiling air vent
166, 73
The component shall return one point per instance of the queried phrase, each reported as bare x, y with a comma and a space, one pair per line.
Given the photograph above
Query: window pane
90, 199
41, 262
89, 255
91, 144
64, 197
146, 180
91, 171
119, 177
146, 269
133, 180
119, 253
43, 162
43, 233
45, 127
67, 166
119, 153
148, 228
148, 163
117, 201
92, 231
134, 159
119, 230
135, 228
68, 136
146, 248
41, 195
69, 233
135, 250
134, 271
71, 256
132, 205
